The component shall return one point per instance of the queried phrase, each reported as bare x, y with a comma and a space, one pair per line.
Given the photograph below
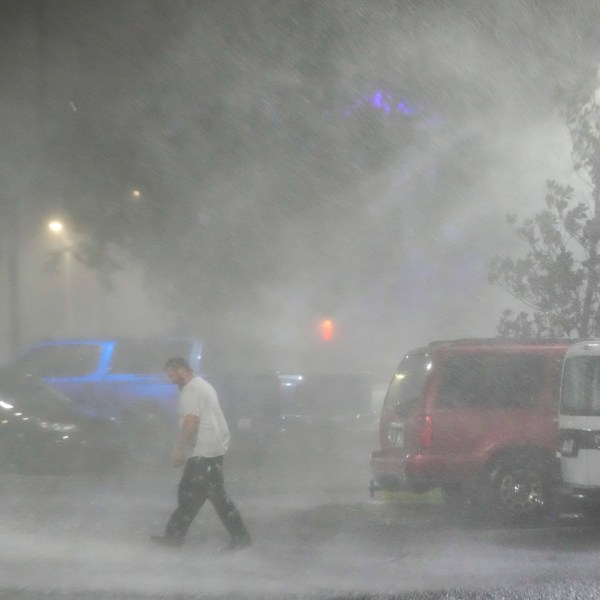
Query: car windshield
407, 384
33, 397
580, 392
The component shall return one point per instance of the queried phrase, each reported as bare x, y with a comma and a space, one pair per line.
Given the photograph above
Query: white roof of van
585, 347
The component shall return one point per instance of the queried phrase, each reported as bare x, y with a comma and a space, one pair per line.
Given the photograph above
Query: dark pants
202, 478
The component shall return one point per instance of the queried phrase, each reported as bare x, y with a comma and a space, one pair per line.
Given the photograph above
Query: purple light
382, 101
404, 109
377, 99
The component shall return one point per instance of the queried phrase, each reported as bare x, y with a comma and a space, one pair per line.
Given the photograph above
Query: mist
461, 126
293, 161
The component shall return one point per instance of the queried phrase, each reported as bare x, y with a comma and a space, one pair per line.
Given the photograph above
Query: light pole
57, 228
14, 280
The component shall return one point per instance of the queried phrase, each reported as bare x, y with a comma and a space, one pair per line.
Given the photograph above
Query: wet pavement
317, 534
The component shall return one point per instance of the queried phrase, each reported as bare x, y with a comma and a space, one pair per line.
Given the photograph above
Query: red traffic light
326, 329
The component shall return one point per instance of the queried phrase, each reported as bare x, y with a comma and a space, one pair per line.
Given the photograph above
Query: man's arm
187, 434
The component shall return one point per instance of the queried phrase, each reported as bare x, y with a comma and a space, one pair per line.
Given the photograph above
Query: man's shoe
238, 543
165, 540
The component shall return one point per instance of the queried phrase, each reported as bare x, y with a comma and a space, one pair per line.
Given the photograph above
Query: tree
559, 276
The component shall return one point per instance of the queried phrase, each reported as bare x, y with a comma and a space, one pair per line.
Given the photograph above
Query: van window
407, 385
490, 380
580, 393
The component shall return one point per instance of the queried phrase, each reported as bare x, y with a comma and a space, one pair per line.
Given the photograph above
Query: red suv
477, 418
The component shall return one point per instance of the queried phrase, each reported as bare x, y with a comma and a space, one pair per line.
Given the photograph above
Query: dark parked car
42, 433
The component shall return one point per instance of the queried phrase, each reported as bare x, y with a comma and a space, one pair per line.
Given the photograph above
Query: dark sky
297, 159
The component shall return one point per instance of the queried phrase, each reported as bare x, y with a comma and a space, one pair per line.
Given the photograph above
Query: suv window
581, 386
490, 380
146, 357
407, 385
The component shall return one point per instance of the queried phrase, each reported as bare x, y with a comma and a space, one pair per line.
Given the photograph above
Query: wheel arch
526, 452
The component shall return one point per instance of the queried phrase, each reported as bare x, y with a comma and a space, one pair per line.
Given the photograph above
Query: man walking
203, 440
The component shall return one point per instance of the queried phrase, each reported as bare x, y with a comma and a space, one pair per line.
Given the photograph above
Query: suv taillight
424, 425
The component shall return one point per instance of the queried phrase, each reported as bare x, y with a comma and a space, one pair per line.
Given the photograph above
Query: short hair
178, 362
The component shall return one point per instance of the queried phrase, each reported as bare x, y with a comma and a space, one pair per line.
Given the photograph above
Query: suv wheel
519, 489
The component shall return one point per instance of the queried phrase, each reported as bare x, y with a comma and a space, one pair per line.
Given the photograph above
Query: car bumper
388, 474
396, 471
580, 495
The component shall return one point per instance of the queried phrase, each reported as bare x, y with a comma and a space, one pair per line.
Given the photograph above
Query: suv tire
519, 489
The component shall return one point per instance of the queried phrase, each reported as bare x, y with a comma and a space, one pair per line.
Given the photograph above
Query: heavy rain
309, 190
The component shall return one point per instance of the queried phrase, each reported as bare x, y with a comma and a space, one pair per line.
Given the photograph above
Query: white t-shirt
199, 398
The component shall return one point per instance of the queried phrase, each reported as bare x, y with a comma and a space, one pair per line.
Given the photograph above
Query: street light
57, 228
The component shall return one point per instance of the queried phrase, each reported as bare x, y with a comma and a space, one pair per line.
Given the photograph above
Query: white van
579, 421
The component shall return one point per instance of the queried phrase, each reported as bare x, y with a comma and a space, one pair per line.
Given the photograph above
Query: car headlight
59, 427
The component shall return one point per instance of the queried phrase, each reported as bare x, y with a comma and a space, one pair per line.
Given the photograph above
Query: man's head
178, 370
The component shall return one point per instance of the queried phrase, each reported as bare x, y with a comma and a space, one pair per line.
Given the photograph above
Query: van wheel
148, 439
519, 489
